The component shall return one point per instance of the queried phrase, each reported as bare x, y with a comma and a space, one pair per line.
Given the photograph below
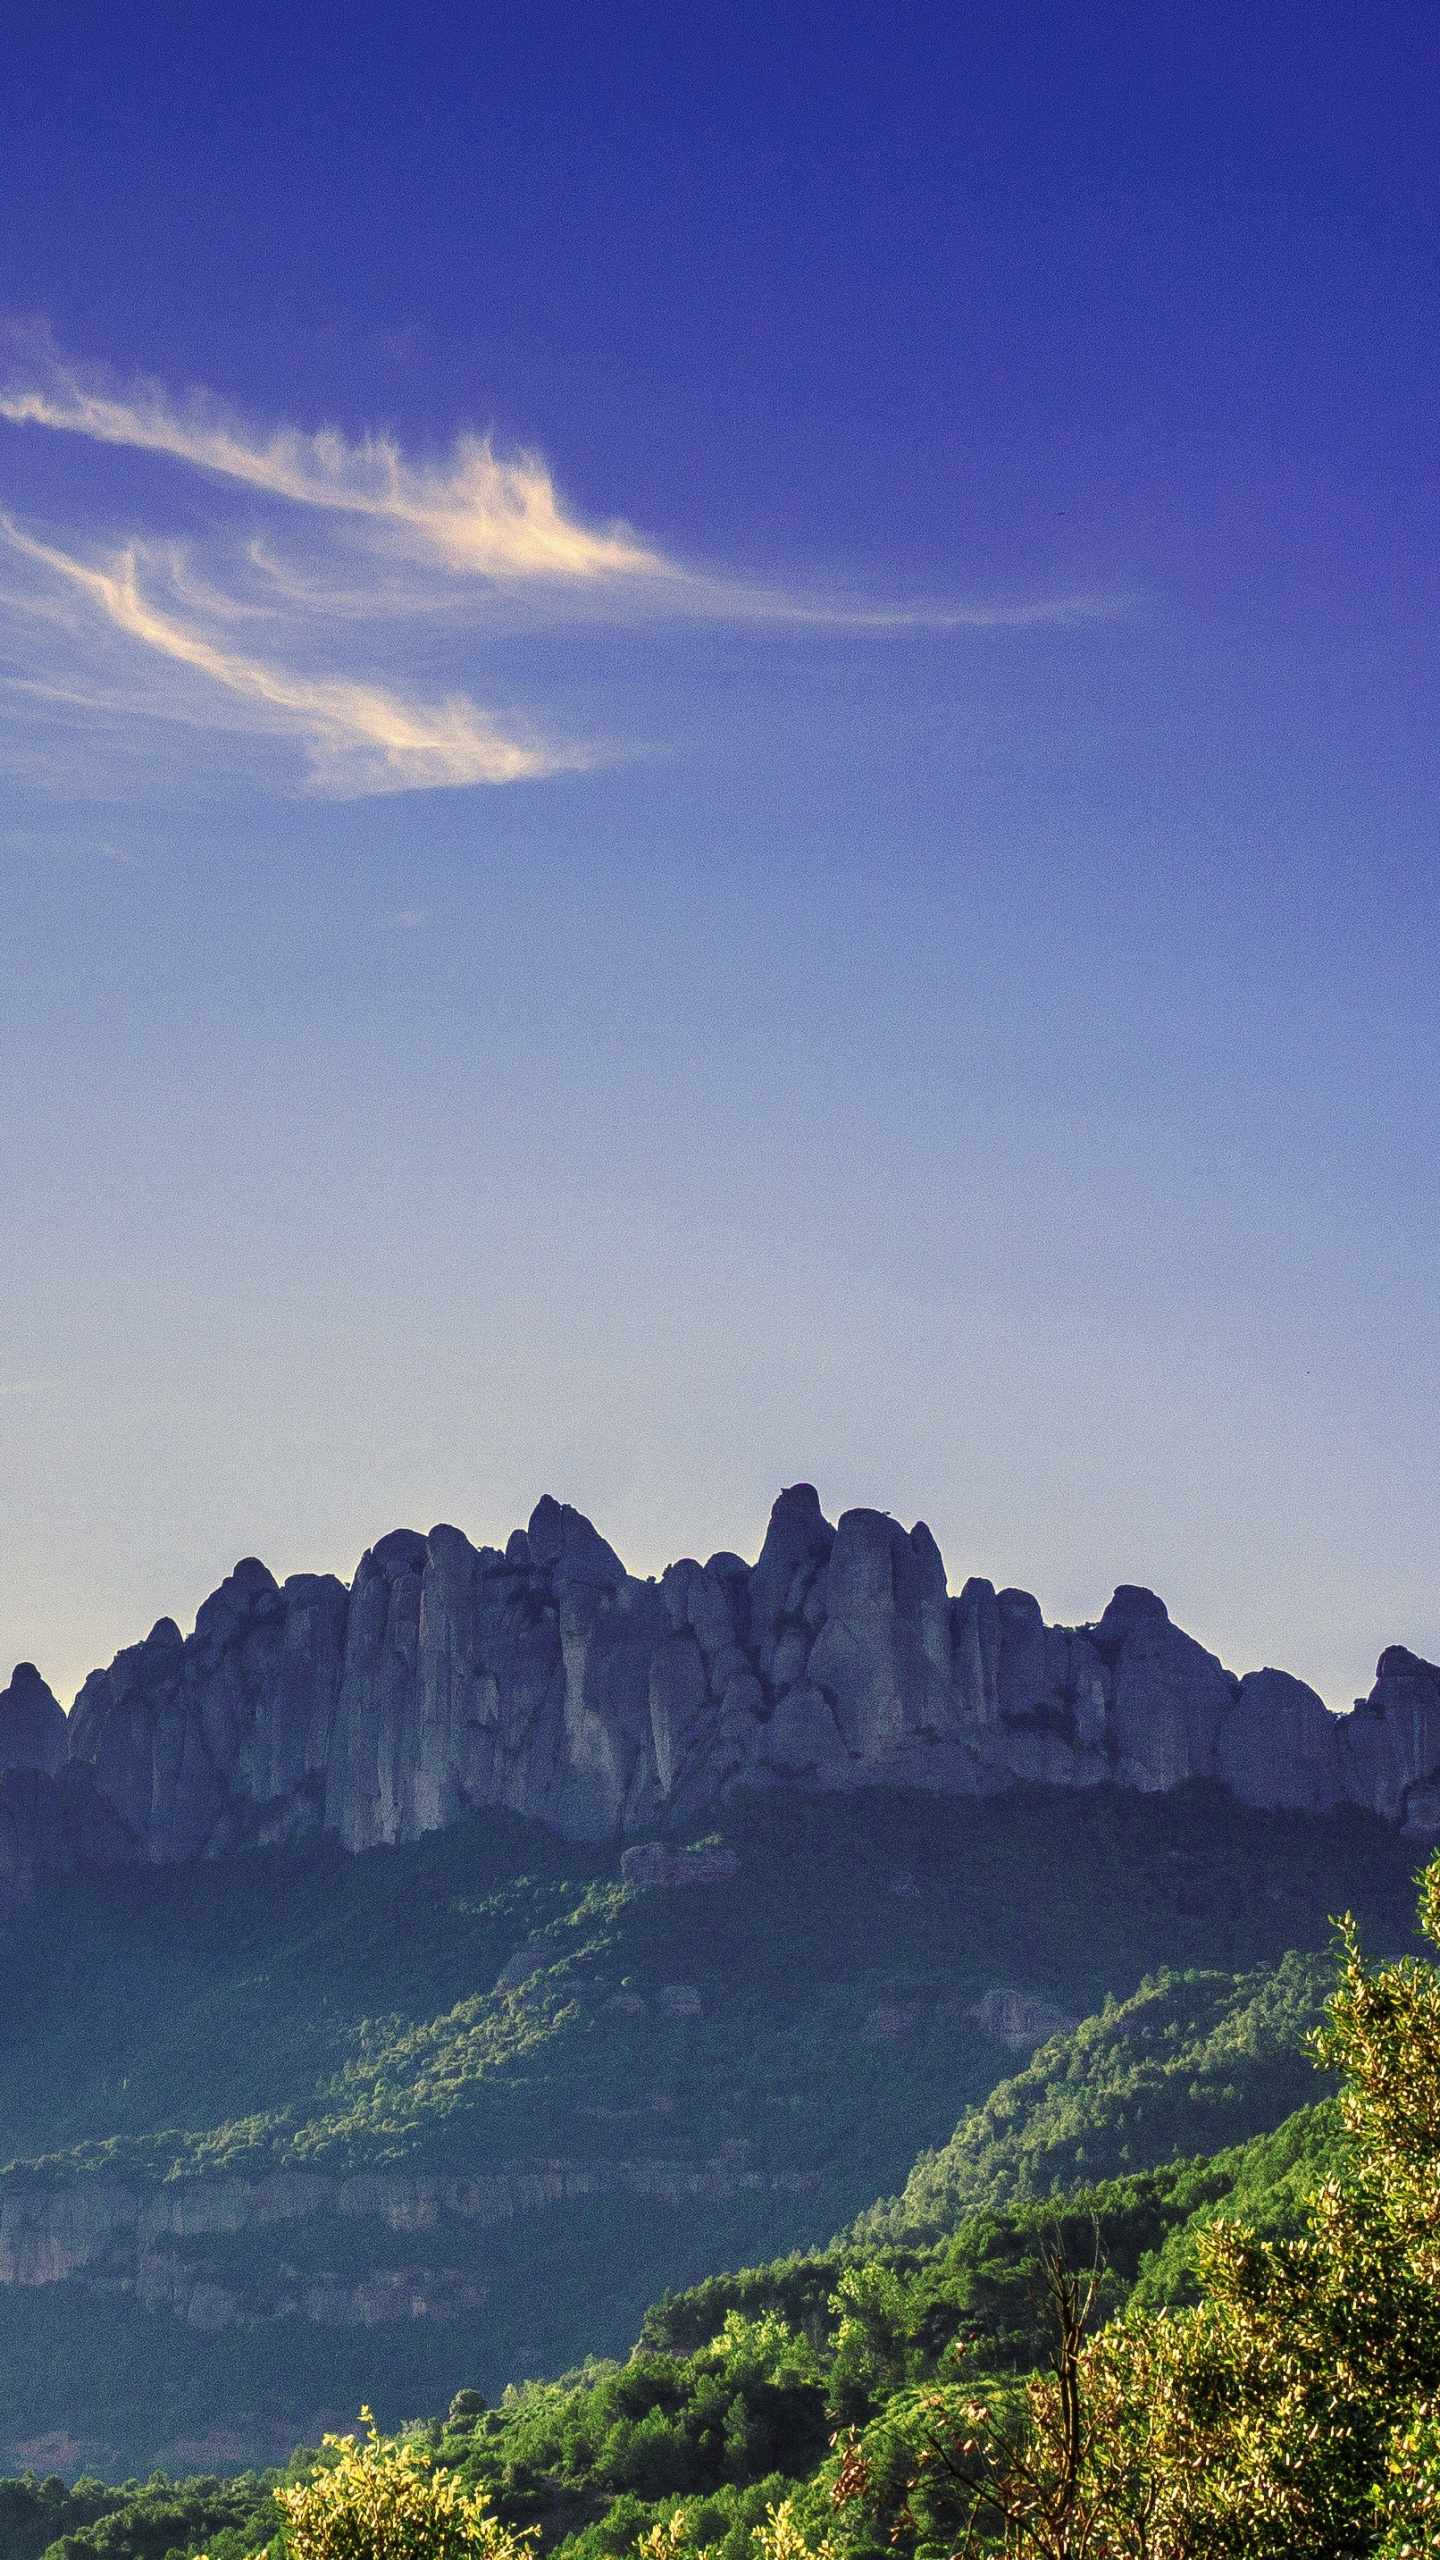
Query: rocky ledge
115, 2237
549, 1680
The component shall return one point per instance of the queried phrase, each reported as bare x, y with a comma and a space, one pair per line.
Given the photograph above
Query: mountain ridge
548, 1681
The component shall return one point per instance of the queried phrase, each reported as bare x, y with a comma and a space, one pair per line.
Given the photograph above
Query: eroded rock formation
118, 2237
548, 1680
33, 1733
1021, 2020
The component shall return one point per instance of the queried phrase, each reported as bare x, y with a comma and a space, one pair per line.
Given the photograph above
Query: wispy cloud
359, 737
474, 514
241, 632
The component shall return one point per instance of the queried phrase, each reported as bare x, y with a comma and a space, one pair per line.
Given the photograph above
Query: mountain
297, 2128
406, 1985
548, 1682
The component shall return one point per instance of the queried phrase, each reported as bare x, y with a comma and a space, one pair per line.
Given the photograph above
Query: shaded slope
730, 2398
1190, 2063
638, 2087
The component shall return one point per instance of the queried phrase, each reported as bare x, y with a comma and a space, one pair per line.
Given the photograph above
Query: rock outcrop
546, 1679
118, 2237
33, 1731
1021, 2020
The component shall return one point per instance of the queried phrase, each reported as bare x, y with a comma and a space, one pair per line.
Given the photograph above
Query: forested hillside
292, 2130
736, 2387
1191, 2059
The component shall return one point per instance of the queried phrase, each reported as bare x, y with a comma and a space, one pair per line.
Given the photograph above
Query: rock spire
547, 1679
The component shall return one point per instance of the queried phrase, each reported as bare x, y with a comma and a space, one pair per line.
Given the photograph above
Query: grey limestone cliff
548, 1680
120, 2237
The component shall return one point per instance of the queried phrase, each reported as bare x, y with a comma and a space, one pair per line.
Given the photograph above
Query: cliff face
151, 2241
548, 1680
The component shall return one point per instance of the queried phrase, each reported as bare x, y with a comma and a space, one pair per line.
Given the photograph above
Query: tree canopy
1291, 2413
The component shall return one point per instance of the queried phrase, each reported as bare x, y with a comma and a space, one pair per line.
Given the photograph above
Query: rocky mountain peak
1129, 1601
545, 1679
562, 1541
32, 1723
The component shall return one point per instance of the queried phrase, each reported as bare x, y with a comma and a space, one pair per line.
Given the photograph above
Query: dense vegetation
493, 1997
1237, 2354
729, 2402
1189, 2061
300, 2007
1292, 2409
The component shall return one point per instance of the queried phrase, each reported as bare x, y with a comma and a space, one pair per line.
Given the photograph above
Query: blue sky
717, 764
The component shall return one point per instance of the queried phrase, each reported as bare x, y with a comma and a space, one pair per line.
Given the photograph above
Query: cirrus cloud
359, 737
475, 515
340, 538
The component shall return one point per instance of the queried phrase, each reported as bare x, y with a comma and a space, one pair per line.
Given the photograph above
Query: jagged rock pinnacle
548, 1680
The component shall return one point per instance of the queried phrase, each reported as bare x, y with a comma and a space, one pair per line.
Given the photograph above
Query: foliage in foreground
1292, 2410
378, 2501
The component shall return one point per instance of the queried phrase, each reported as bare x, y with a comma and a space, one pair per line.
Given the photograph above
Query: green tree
388, 2501
1294, 2412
